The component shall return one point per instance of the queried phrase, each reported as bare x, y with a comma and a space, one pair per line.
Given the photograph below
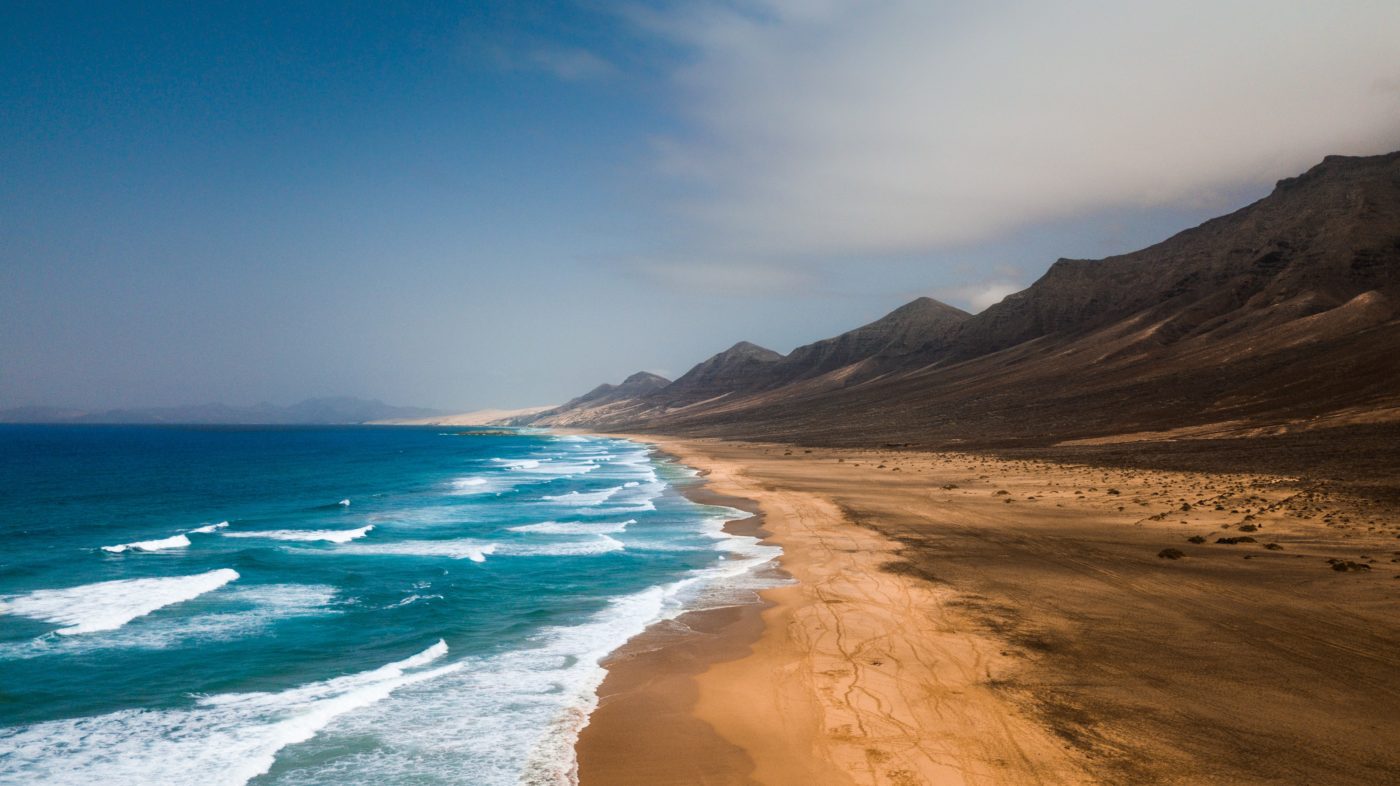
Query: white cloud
725, 278
979, 296
866, 127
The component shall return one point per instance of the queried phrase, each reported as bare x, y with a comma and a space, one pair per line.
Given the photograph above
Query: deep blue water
329, 605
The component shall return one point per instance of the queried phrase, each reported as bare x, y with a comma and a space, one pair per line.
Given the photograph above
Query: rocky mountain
1317, 241
742, 367
605, 402
316, 411
896, 339
639, 384
1281, 315
920, 328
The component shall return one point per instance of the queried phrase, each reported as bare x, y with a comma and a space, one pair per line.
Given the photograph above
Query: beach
962, 619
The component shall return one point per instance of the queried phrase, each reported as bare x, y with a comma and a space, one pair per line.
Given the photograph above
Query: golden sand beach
961, 619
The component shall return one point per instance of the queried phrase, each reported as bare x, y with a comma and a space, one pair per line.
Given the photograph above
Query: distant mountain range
315, 411
1281, 315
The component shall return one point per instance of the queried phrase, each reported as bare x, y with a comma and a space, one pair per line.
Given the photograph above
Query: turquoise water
330, 605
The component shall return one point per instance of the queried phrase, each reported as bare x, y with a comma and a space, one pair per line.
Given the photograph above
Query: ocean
230, 605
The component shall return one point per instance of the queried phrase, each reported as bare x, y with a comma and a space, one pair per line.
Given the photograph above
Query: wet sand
960, 619
644, 730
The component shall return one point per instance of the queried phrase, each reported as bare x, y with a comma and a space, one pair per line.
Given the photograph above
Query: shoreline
848, 681
965, 619
643, 730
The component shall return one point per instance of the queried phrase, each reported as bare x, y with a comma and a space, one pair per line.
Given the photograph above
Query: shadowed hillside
1278, 317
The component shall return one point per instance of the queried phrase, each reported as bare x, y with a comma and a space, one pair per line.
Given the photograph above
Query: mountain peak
749, 350
644, 379
922, 309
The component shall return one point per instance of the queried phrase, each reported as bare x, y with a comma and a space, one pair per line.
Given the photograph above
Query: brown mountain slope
1283, 312
922, 326
742, 367
891, 342
1317, 241
606, 401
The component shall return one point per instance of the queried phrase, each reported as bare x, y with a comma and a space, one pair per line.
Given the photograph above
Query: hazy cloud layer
843, 126
747, 278
978, 297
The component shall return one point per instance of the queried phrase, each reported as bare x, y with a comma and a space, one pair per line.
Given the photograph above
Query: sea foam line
238, 613
448, 730
306, 535
108, 605
172, 542
223, 740
576, 527
179, 541
473, 550
583, 498
478, 551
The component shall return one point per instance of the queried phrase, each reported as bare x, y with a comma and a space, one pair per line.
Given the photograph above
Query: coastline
644, 730
966, 619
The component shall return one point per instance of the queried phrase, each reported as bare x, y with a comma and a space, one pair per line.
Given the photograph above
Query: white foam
583, 498
644, 492
237, 613
547, 468
602, 544
637, 458
478, 551
473, 550
222, 740
172, 542
108, 605
209, 528
476, 484
449, 730
564, 468
619, 510
306, 535
576, 527
411, 599
344, 503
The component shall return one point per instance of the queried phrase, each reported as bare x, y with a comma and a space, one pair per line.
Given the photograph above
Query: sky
499, 204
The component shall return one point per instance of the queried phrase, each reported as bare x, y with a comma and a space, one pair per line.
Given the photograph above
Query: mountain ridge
1278, 312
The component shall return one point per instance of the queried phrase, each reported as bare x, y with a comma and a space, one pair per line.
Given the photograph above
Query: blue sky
498, 204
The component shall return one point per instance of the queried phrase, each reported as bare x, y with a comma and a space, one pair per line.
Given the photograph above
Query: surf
305, 536
221, 740
108, 605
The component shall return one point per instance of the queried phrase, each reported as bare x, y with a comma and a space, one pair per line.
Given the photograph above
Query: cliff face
1279, 314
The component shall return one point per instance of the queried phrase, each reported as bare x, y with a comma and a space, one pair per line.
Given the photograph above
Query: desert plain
960, 618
